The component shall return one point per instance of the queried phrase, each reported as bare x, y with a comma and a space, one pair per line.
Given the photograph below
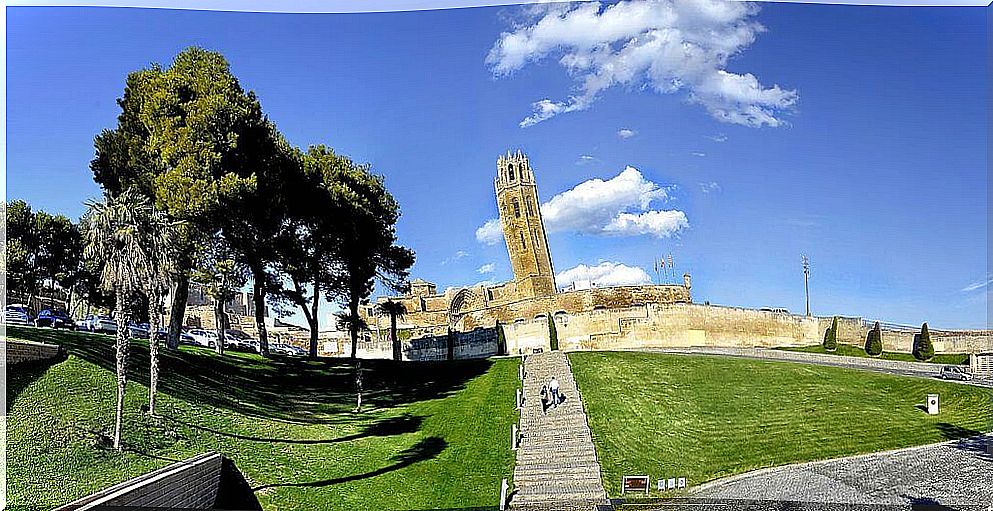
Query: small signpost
681, 482
503, 494
932, 404
632, 484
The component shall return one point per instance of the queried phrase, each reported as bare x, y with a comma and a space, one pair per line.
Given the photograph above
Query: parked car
17, 314
100, 323
139, 330
184, 338
240, 341
955, 373
205, 338
287, 349
54, 318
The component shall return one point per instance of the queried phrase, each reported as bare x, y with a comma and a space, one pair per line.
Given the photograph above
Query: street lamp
806, 276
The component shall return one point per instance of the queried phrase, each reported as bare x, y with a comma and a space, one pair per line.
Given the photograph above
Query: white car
240, 341
98, 323
955, 373
17, 314
205, 338
287, 349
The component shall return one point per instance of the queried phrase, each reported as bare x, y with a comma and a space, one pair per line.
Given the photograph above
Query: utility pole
806, 277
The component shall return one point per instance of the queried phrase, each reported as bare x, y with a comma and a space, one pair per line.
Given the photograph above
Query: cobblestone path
557, 466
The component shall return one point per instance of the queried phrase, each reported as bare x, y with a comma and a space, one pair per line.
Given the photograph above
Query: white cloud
619, 206
490, 233
720, 137
656, 223
698, 154
626, 133
710, 187
486, 268
665, 46
458, 255
605, 274
586, 159
979, 284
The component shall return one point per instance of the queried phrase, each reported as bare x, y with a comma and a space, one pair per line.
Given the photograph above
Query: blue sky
877, 169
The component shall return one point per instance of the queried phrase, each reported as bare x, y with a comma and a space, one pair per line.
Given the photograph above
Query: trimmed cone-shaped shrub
831, 336
923, 349
553, 335
501, 340
874, 341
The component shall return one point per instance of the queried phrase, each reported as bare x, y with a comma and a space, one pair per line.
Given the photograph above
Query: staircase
557, 468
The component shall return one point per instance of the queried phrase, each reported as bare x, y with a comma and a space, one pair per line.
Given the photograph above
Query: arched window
522, 241
510, 172
517, 208
530, 211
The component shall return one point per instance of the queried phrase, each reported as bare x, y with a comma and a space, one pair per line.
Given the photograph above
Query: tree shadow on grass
968, 440
425, 449
20, 376
385, 427
282, 388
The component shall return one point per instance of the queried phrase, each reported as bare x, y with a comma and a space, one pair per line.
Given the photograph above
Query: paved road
906, 369
956, 474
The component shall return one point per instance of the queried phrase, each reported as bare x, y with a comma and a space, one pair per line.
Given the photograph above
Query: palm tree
125, 236
395, 310
354, 323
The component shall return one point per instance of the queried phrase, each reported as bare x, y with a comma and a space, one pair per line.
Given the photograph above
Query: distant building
532, 293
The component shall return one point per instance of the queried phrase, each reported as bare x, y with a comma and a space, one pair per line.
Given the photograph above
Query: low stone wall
189, 484
476, 343
689, 325
17, 351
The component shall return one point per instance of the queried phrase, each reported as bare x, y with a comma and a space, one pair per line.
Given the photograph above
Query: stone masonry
557, 467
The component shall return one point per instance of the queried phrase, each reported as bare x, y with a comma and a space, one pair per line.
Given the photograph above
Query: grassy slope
849, 350
286, 423
707, 417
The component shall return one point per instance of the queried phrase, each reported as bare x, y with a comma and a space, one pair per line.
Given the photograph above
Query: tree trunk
259, 292
353, 326
358, 384
154, 320
393, 337
178, 309
313, 319
122, 318
219, 319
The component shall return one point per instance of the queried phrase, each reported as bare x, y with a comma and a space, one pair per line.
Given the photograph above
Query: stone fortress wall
596, 318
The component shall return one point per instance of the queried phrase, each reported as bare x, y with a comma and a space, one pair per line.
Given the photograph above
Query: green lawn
705, 417
848, 350
434, 435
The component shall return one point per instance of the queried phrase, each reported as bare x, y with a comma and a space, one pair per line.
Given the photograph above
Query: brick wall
189, 484
25, 351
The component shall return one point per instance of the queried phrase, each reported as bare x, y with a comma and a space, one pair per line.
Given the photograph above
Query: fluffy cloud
698, 154
666, 46
604, 274
710, 187
585, 159
719, 138
486, 268
626, 133
617, 206
490, 233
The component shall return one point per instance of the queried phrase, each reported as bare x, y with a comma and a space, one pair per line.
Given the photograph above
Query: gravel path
956, 473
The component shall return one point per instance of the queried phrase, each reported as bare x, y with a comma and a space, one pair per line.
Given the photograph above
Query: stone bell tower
520, 215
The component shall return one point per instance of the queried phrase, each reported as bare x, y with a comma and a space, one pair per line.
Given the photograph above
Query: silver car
959, 373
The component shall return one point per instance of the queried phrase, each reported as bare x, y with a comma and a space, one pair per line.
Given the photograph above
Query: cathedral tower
520, 215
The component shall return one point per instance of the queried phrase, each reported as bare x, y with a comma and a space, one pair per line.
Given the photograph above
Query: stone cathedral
532, 294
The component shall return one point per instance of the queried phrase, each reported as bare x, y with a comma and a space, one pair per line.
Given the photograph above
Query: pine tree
553, 335
831, 336
874, 341
923, 349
